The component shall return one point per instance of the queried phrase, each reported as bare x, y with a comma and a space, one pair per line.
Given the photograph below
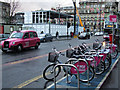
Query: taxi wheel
19, 48
37, 45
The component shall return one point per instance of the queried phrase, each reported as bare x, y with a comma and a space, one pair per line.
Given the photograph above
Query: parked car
84, 35
98, 33
4, 36
19, 40
45, 37
106, 36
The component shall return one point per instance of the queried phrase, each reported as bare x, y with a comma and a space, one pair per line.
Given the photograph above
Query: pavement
95, 84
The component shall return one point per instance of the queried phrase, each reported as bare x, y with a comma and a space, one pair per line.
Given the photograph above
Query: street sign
113, 18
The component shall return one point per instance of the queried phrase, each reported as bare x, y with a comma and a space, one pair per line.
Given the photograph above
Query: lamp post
59, 14
100, 16
74, 2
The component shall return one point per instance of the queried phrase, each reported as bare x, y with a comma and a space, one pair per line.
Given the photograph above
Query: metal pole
74, 16
49, 21
100, 17
59, 13
67, 65
113, 34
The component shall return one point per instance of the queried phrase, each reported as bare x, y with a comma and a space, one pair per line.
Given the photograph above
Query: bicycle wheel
48, 73
100, 68
84, 76
114, 54
107, 62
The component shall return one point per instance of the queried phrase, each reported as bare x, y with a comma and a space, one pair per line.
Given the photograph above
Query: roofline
4, 2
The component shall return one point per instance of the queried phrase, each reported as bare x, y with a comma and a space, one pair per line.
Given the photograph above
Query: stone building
4, 12
93, 13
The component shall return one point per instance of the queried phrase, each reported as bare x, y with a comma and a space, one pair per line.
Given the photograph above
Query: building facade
94, 13
4, 12
48, 21
19, 18
67, 10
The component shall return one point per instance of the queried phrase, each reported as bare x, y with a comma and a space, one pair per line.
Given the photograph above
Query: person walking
57, 35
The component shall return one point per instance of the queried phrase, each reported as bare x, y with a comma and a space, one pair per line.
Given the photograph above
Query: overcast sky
31, 5
45, 4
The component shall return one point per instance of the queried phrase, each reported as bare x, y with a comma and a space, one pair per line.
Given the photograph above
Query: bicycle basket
52, 57
69, 53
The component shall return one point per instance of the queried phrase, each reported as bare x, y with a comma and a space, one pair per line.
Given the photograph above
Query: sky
31, 5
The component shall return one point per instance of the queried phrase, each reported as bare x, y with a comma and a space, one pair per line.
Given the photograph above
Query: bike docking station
94, 84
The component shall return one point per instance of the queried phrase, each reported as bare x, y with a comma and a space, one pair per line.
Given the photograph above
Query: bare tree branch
14, 5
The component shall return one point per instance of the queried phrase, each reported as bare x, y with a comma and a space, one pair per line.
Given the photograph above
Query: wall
8, 30
28, 17
62, 29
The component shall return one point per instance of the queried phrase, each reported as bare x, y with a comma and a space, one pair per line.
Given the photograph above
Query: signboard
113, 18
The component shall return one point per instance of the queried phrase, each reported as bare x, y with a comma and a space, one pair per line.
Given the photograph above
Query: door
26, 40
32, 39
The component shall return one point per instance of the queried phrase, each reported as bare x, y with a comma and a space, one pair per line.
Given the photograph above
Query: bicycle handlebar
55, 50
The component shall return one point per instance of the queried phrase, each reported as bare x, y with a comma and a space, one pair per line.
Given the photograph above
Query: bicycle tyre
84, 75
100, 70
114, 54
50, 75
107, 63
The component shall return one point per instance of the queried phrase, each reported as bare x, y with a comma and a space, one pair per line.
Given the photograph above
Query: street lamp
74, 2
59, 14
100, 17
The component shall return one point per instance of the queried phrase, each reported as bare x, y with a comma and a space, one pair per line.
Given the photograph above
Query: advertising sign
113, 18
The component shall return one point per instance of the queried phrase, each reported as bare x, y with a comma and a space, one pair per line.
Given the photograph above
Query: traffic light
68, 24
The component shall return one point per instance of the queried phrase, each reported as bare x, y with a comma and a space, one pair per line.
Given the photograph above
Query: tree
14, 5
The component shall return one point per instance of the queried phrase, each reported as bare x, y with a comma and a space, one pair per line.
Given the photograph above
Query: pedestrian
71, 34
42, 32
57, 35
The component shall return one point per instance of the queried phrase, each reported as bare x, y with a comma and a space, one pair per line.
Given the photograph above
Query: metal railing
67, 65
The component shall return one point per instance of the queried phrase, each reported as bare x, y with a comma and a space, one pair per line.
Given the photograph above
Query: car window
49, 35
16, 35
31, 35
26, 35
42, 35
35, 34
46, 35
83, 34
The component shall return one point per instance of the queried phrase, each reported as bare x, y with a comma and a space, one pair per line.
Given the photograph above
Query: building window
37, 17
33, 18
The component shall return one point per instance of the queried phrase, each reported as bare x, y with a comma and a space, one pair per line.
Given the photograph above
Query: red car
19, 40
